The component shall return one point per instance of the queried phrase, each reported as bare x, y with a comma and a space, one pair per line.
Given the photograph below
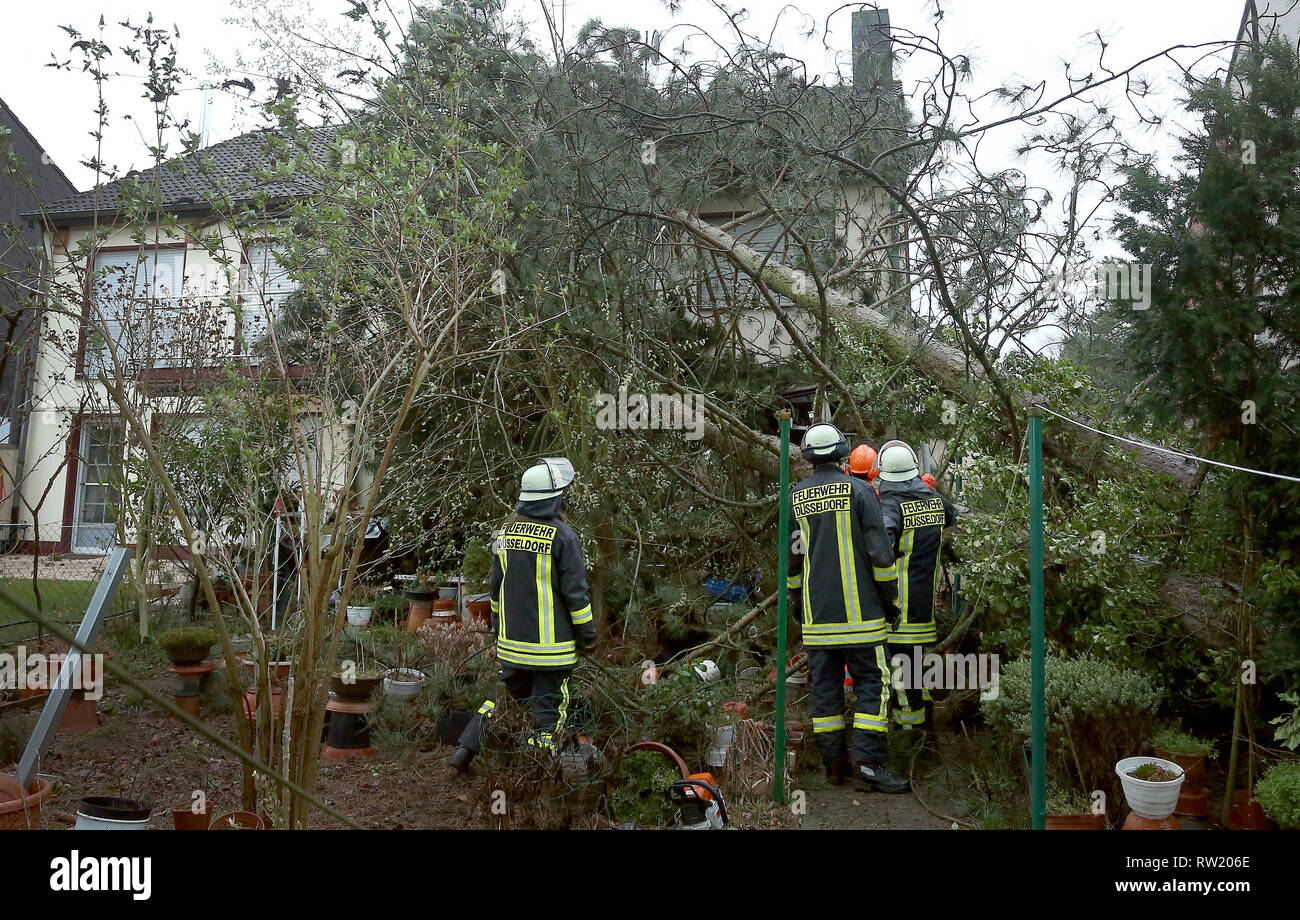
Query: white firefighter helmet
545, 479
898, 462
824, 441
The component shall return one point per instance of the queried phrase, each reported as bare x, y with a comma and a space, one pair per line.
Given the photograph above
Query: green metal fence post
782, 563
1037, 714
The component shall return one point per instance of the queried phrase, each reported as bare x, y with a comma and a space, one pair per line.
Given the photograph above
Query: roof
10, 117
188, 184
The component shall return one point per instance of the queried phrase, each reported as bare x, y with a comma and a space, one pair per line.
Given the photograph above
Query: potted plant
1190, 753
1071, 810
237, 821
403, 683
278, 650
1278, 794
361, 608
477, 569
187, 645
19, 810
420, 599
1151, 786
356, 680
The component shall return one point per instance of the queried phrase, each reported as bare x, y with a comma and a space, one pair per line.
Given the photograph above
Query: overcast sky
1006, 39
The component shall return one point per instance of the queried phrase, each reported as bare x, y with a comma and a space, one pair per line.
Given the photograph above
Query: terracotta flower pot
444, 611
1191, 797
22, 812
237, 821
480, 612
1076, 822
419, 604
1246, 814
184, 818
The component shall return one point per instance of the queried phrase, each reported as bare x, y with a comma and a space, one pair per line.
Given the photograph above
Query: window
135, 309
264, 286
725, 283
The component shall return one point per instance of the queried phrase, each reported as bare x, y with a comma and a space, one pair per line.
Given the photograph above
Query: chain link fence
59, 584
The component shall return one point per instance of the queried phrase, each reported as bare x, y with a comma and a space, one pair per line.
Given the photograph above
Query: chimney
873, 69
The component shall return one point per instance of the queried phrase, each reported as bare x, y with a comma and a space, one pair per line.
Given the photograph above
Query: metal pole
275, 572
782, 564
1037, 714
956, 577
56, 701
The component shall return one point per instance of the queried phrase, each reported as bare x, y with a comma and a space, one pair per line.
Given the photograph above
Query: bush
1096, 714
1278, 793
1175, 741
641, 795
1064, 801
188, 643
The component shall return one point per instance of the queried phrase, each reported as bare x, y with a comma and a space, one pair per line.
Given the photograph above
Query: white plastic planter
359, 616
403, 689
1154, 801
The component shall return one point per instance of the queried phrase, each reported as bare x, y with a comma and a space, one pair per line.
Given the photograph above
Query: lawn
65, 600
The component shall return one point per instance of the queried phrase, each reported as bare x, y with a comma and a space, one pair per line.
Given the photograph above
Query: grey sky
1006, 39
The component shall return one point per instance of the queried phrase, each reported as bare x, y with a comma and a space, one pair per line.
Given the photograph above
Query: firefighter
838, 541
540, 610
862, 463
915, 515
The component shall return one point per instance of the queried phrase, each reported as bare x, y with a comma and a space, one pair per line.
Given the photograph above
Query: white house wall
59, 396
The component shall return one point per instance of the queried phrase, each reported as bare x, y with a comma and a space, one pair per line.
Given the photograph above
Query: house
867, 235
168, 305
39, 182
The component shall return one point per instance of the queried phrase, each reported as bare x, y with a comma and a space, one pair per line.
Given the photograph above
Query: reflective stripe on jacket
915, 516
840, 553
538, 590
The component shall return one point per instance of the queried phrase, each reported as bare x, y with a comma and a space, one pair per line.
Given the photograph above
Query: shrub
188, 643
1176, 741
1067, 801
1096, 714
1278, 793
641, 794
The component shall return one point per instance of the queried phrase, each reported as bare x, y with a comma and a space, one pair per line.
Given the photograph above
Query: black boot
875, 778
838, 770
461, 759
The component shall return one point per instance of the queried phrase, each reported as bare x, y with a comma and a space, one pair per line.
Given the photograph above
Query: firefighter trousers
910, 694
545, 692
870, 673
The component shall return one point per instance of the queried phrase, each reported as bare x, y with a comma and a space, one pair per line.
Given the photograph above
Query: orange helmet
929, 481
862, 460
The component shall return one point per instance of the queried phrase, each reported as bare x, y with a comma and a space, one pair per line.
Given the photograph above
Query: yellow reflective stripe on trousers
827, 724
564, 705
883, 663
870, 723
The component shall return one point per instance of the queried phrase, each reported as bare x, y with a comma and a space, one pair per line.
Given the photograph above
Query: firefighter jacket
538, 585
915, 516
839, 553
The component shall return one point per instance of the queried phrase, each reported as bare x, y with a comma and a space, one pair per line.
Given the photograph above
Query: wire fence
37, 569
